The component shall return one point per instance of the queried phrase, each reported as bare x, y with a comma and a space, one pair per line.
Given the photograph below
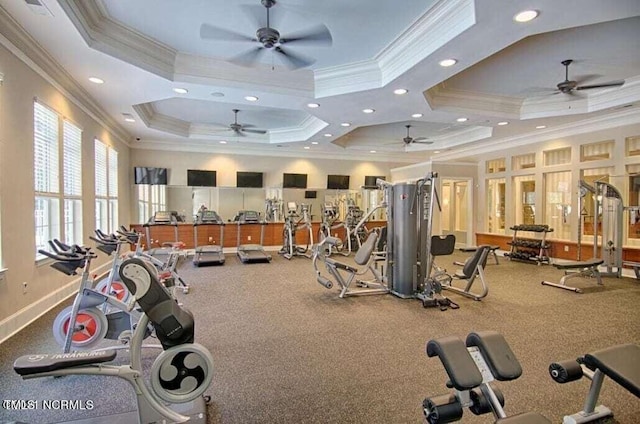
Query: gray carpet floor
287, 350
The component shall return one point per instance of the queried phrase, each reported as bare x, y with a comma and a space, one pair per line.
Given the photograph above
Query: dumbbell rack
530, 250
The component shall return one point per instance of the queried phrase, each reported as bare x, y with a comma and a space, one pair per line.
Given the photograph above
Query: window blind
72, 159
45, 164
101, 168
113, 173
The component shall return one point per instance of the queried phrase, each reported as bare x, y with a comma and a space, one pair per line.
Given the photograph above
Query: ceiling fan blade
603, 85
239, 133
249, 57
423, 141
420, 139
253, 131
211, 32
293, 60
256, 14
318, 34
583, 79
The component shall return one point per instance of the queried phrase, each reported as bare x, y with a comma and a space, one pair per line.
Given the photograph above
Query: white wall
45, 286
226, 166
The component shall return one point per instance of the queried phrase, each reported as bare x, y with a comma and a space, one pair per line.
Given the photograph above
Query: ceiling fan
240, 129
410, 140
269, 38
568, 86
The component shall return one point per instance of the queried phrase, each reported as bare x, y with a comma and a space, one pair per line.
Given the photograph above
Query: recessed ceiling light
251, 98
307, 147
345, 124
526, 16
540, 127
313, 105
462, 119
181, 90
129, 120
416, 115
96, 80
217, 94
223, 142
503, 123
400, 91
437, 151
368, 110
448, 62
328, 135
372, 151
314, 142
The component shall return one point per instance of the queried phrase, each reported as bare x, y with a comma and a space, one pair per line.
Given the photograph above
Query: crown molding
440, 97
152, 119
108, 36
439, 25
613, 120
26, 49
193, 146
212, 71
307, 129
463, 136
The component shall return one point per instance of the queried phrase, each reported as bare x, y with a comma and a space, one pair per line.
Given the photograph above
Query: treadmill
209, 254
251, 253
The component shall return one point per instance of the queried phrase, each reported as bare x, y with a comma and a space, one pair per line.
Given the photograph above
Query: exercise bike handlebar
63, 249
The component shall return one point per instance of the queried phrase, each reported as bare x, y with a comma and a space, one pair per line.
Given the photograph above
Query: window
596, 151
496, 165
557, 156
524, 188
55, 139
632, 146
151, 199
557, 203
106, 177
523, 161
587, 202
496, 205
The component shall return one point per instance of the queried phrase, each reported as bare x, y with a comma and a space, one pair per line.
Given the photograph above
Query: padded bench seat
492, 251
620, 363
579, 264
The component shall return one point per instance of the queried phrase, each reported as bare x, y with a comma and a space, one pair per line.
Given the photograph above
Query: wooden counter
250, 233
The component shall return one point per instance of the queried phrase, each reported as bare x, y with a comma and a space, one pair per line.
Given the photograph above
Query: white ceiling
506, 71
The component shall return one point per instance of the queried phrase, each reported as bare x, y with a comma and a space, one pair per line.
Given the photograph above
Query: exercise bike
179, 376
95, 314
166, 268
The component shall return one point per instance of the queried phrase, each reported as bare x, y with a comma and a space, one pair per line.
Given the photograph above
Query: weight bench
471, 367
468, 249
620, 363
635, 266
587, 268
473, 267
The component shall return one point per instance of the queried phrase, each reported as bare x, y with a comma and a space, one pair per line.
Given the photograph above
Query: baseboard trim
25, 316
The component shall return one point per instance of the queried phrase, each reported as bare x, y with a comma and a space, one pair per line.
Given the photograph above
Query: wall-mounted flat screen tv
249, 179
294, 180
145, 175
370, 180
338, 182
310, 194
201, 178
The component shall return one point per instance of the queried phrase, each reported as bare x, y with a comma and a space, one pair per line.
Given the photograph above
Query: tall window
56, 139
106, 177
496, 205
557, 203
151, 199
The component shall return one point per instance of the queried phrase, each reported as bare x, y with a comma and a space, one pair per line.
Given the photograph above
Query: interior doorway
456, 217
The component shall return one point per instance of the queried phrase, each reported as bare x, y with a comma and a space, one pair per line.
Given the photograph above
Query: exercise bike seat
36, 364
495, 350
620, 363
457, 361
525, 418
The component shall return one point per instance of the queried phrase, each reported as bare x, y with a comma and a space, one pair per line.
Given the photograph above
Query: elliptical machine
293, 224
179, 375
